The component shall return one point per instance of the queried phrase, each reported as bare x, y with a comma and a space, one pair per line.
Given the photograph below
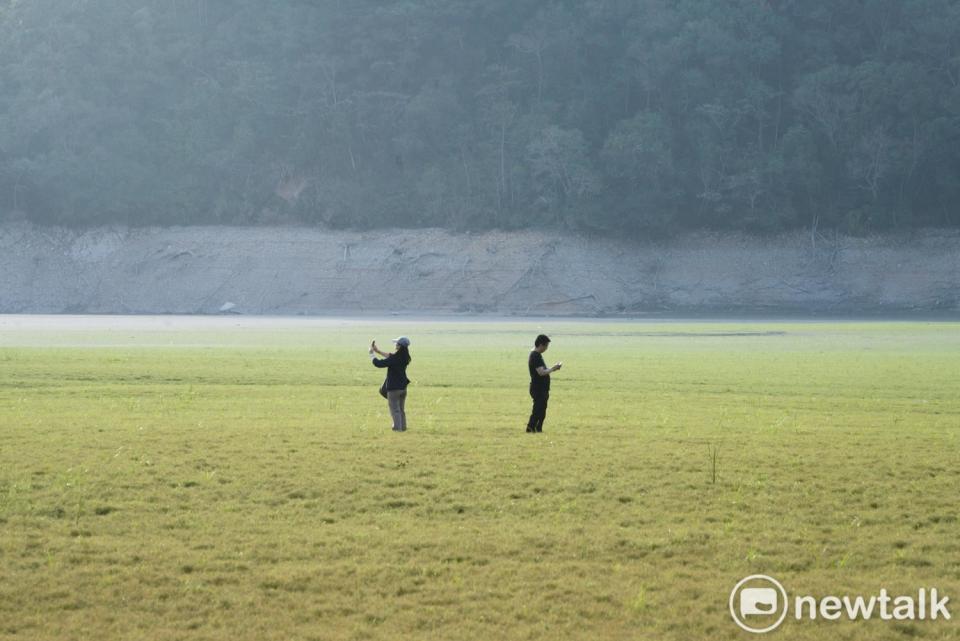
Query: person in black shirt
539, 383
397, 381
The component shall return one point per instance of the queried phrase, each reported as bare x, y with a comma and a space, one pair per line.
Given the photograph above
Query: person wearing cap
539, 383
397, 381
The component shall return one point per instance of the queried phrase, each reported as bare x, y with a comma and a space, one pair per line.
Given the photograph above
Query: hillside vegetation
625, 117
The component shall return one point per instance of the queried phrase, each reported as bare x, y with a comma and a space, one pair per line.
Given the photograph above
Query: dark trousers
539, 412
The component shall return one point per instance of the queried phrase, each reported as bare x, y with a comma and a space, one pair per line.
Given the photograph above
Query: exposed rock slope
197, 270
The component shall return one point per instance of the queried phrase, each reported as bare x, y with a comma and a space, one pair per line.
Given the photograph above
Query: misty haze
479, 320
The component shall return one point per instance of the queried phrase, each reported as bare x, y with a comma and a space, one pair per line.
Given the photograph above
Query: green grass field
242, 483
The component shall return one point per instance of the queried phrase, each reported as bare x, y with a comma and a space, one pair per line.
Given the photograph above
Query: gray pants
396, 399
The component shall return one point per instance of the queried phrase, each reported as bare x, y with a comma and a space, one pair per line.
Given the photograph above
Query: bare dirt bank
284, 271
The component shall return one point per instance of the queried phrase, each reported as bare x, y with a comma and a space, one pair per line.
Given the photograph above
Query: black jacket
396, 371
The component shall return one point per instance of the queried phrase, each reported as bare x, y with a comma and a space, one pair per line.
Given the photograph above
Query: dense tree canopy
616, 116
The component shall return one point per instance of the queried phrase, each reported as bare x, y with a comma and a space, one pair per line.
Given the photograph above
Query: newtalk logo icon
759, 603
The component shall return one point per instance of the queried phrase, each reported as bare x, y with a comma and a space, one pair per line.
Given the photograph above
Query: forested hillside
627, 117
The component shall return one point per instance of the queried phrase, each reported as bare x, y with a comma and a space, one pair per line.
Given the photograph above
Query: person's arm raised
382, 362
